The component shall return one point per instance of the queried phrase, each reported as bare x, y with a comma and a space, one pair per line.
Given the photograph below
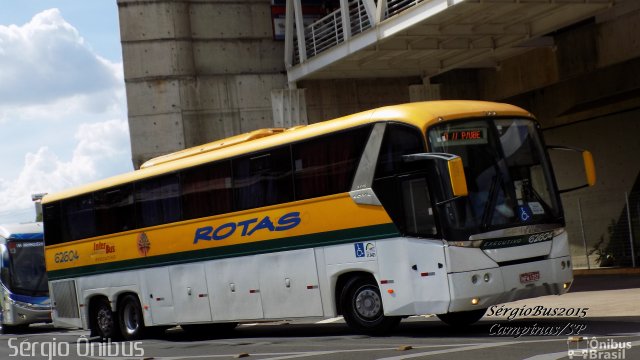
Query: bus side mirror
446, 171
588, 163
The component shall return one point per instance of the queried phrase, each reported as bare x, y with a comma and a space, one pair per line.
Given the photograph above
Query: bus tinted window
206, 190
158, 200
53, 230
114, 210
263, 178
326, 165
398, 140
79, 213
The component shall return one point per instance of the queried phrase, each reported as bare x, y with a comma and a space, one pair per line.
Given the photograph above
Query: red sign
463, 136
529, 277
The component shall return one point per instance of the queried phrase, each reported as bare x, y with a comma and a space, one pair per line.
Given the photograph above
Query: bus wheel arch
130, 316
103, 321
340, 283
360, 303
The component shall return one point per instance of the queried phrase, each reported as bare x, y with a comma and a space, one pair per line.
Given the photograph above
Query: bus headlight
558, 232
466, 243
474, 279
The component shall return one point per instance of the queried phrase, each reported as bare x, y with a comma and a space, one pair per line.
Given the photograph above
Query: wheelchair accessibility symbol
359, 247
365, 251
525, 213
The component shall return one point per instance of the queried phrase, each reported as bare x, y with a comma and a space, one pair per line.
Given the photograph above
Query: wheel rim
131, 319
368, 304
105, 320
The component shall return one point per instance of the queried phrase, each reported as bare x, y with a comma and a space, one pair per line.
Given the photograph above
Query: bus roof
419, 114
22, 231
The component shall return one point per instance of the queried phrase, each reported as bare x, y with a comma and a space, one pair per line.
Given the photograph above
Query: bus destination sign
463, 136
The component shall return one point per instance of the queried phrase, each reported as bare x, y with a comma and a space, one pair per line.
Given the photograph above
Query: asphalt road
612, 318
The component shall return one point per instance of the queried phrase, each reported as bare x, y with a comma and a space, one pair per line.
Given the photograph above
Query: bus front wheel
104, 323
462, 318
362, 307
12, 329
130, 318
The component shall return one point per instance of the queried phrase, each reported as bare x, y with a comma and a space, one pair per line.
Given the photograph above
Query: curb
610, 271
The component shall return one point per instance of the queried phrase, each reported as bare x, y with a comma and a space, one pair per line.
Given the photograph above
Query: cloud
62, 113
46, 60
102, 150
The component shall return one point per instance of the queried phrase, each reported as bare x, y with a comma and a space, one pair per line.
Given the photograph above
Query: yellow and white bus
369, 216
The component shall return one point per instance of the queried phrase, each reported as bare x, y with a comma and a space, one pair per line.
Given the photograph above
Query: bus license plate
529, 277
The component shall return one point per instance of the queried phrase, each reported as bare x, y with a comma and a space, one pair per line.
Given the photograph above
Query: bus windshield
28, 274
508, 176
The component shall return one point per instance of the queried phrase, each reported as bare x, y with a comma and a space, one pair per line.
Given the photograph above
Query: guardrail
328, 31
604, 242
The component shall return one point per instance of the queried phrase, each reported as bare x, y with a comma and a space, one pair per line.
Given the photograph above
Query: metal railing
599, 241
358, 17
324, 33
328, 31
395, 7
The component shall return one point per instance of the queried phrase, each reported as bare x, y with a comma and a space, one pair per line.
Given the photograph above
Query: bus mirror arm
448, 167
588, 163
444, 202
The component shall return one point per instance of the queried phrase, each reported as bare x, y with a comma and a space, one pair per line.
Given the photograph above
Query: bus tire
462, 318
362, 309
130, 318
104, 322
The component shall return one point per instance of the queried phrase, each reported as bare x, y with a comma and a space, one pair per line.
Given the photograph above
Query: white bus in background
24, 292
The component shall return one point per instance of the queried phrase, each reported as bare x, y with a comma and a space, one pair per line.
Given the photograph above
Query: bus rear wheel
104, 323
362, 307
462, 318
130, 318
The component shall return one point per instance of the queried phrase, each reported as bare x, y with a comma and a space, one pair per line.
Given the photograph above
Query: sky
63, 113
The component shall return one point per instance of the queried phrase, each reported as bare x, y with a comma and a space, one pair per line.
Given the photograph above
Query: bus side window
263, 178
53, 231
411, 212
398, 140
80, 216
418, 213
114, 210
327, 164
158, 200
206, 190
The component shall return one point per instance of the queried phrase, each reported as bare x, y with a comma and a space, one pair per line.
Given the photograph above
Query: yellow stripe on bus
314, 216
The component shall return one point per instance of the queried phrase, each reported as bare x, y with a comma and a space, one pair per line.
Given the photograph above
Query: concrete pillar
424, 92
197, 71
158, 60
289, 107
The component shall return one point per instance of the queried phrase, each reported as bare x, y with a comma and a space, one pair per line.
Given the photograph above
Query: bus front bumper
23, 314
480, 289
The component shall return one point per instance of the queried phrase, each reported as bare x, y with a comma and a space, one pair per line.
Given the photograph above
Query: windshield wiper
487, 216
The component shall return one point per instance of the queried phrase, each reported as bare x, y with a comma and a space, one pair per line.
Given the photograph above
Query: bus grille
65, 299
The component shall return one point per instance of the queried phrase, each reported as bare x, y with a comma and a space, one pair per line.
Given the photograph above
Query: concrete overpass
201, 70
396, 38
